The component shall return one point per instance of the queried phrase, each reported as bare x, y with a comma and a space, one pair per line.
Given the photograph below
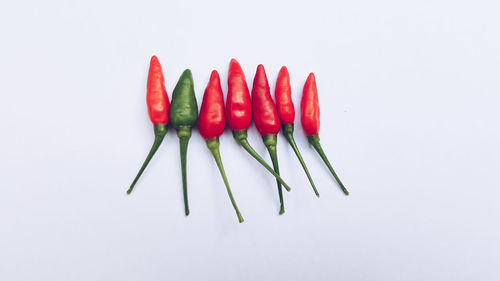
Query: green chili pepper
183, 116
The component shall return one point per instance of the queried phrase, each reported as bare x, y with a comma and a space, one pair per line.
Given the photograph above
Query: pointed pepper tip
311, 76
235, 67
214, 75
260, 77
187, 75
154, 60
261, 72
234, 63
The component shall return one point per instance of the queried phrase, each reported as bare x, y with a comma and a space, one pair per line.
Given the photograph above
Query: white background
409, 92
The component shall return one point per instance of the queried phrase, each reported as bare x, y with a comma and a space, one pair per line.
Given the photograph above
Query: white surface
409, 92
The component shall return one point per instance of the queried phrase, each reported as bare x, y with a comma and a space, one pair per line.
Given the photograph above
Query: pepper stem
241, 137
314, 141
271, 141
160, 132
213, 146
288, 131
184, 133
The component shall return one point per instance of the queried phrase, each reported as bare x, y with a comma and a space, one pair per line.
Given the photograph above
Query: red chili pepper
309, 107
286, 113
156, 97
211, 124
158, 106
310, 122
238, 105
212, 120
239, 113
265, 116
283, 95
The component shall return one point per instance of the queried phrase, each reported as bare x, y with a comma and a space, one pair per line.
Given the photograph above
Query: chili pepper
309, 107
183, 116
266, 120
211, 125
286, 113
239, 113
158, 105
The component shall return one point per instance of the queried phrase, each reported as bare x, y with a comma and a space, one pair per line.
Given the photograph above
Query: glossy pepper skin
183, 116
158, 106
238, 105
239, 113
212, 121
265, 116
309, 107
286, 112
211, 125
283, 96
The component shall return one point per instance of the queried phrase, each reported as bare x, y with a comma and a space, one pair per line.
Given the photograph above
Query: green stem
314, 141
213, 146
271, 141
184, 133
241, 137
288, 131
160, 132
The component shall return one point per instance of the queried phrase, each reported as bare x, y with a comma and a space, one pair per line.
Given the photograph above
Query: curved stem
314, 141
288, 131
271, 141
160, 132
241, 137
213, 146
184, 133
